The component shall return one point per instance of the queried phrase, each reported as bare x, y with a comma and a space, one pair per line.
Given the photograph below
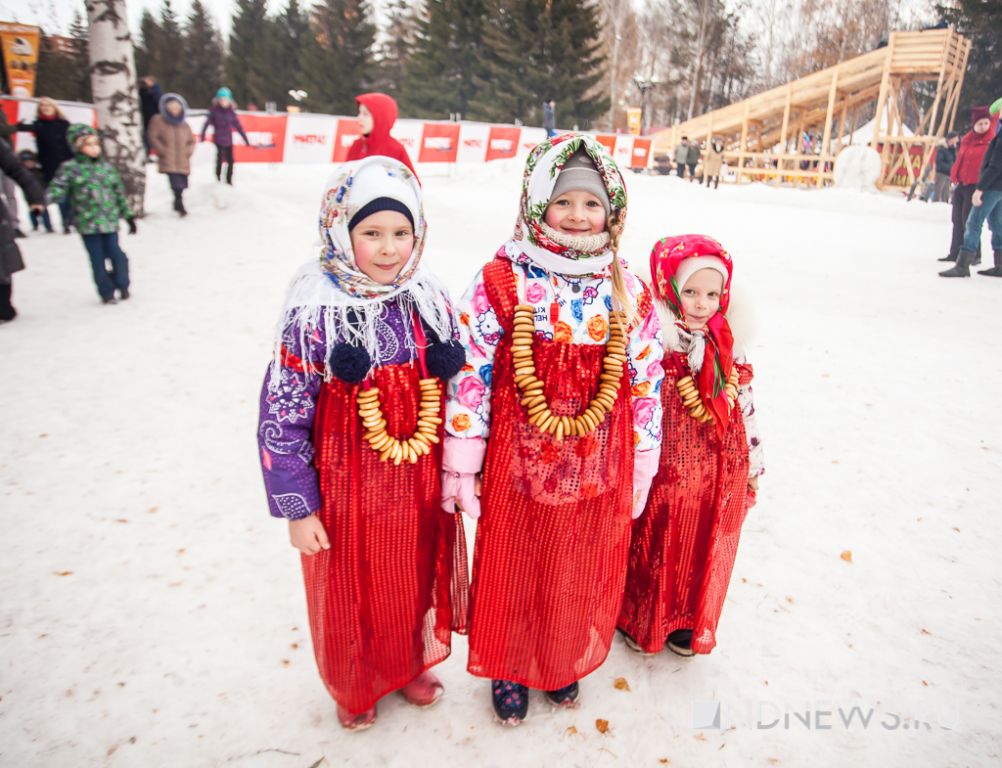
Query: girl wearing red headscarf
682, 549
377, 113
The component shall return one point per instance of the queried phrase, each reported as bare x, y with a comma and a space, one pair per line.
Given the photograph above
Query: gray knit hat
579, 172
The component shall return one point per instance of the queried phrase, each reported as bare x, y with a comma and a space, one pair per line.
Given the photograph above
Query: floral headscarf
530, 244
712, 372
354, 185
334, 294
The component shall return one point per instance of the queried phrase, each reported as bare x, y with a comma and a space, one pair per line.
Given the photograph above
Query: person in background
550, 118
377, 113
149, 104
681, 156
713, 162
964, 174
224, 121
692, 158
173, 141
986, 204
10, 254
96, 195
50, 129
946, 156
29, 160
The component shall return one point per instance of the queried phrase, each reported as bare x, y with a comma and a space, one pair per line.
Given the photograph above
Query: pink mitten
645, 466
462, 460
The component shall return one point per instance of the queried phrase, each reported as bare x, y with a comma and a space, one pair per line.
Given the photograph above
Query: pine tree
249, 63
446, 59
202, 64
294, 42
341, 65
65, 74
80, 57
397, 50
980, 21
148, 48
536, 50
171, 50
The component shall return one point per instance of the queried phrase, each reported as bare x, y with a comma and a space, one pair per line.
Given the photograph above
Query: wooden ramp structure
792, 133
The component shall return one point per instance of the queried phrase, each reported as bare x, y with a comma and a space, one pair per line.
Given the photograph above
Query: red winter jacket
970, 153
379, 141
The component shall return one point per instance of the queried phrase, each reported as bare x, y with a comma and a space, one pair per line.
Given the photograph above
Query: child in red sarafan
350, 434
682, 549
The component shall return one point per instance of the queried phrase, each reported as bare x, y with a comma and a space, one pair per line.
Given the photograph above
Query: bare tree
113, 81
619, 37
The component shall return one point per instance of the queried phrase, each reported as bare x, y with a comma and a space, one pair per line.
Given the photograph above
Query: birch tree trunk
113, 81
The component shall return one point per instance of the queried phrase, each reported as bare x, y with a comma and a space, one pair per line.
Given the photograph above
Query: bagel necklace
419, 444
531, 386
694, 404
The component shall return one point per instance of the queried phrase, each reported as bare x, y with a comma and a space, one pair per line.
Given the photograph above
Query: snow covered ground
152, 612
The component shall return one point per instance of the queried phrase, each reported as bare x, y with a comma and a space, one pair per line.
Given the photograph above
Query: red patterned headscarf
667, 258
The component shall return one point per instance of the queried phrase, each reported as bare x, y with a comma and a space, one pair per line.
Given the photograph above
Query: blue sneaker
511, 702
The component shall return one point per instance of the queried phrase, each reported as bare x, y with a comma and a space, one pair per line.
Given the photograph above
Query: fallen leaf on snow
602, 726
926, 631
621, 684
571, 730
700, 736
846, 555
62, 573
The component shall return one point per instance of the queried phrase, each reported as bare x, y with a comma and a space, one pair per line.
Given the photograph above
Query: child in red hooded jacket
378, 112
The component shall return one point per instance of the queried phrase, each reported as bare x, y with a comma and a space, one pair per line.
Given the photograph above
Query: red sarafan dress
553, 538
682, 548
384, 599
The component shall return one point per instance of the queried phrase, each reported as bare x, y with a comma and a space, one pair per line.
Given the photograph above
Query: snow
153, 613
864, 133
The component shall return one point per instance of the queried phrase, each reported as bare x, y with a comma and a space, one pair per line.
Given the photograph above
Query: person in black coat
10, 254
50, 128
149, 105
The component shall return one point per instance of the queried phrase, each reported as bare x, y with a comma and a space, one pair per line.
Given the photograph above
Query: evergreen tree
341, 65
295, 43
80, 58
171, 53
148, 48
202, 64
65, 74
397, 50
249, 63
541, 49
981, 22
446, 59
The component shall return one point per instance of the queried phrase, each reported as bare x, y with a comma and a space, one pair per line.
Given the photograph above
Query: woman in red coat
970, 153
378, 112
682, 548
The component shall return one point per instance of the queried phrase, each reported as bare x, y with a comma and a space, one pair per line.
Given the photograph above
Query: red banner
607, 141
439, 143
347, 131
502, 142
641, 153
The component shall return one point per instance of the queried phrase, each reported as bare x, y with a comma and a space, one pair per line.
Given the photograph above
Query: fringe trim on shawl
312, 300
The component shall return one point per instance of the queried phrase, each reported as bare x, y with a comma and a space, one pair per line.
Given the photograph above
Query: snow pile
153, 613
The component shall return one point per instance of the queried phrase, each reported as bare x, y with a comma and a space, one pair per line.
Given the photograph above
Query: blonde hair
620, 295
47, 102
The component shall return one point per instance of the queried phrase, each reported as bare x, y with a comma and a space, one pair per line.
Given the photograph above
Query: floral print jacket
577, 309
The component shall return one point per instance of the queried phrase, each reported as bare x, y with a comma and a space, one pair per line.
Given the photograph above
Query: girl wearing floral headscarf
558, 412
682, 549
350, 442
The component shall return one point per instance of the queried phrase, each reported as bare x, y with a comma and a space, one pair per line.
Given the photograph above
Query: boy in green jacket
96, 197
